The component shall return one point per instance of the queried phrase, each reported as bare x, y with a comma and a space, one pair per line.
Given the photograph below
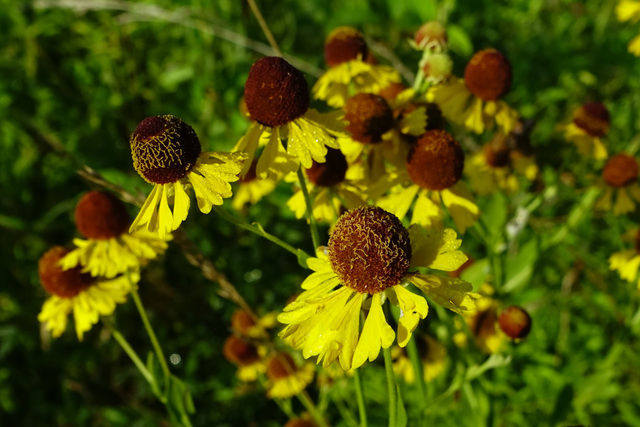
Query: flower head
73, 291
109, 248
166, 152
589, 124
475, 100
286, 378
620, 178
351, 71
488, 75
431, 178
515, 322
368, 261
369, 117
277, 98
276, 92
245, 356
430, 36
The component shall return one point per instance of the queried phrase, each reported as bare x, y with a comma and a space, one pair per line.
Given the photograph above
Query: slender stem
416, 363
131, 353
264, 26
309, 405
315, 236
391, 387
257, 229
346, 414
153, 338
360, 398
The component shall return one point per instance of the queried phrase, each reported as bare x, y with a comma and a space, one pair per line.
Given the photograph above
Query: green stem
264, 26
256, 229
416, 363
154, 340
360, 398
315, 236
131, 353
311, 408
391, 387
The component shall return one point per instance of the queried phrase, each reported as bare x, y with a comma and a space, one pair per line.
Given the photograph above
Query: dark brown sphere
488, 75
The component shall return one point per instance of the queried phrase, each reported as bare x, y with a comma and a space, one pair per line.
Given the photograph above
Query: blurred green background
77, 76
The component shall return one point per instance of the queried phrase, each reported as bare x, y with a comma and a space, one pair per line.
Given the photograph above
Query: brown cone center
164, 149
621, 170
488, 75
435, 161
331, 172
593, 118
369, 250
275, 92
100, 215
344, 44
65, 284
369, 117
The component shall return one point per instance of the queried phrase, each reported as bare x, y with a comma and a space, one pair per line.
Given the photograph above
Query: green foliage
75, 83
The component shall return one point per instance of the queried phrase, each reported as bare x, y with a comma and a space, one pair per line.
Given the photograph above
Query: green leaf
459, 40
179, 402
302, 258
520, 267
155, 371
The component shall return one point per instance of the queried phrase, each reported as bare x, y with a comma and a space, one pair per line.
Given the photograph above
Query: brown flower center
392, 91
239, 352
65, 284
275, 92
369, 117
100, 215
331, 172
241, 321
435, 161
515, 322
369, 250
281, 366
621, 170
344, 44
593, 118
164, 149
488, 75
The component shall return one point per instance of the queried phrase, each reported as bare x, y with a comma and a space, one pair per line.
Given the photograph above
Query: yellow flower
432, 354
246, 356
367, 261
474, 102
250, 189
109, 249
590, 123
483, 322
350, 72
619, 179
166, 152
629, 10
75, 292
431, 178
277, 98
627, 261
499, 164
286, 378
328, 189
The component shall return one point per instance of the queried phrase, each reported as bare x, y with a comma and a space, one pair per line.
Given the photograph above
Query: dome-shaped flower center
344, 44
488, 75
240, 352
241, 321
164, 149
483, 324
65, 284
621, 170
435, 161
281, 366
432, 34
496, 152
369, 250
515, 322
331, 172
100, 215
593, 118
275, 92
369, 117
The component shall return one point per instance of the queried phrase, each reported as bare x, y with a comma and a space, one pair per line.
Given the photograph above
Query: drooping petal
147, 218
414, 307
461, 206
181, 204
454, 294
376, 334
212, 175
435, 248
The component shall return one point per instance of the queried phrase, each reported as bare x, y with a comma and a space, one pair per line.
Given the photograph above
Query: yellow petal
181, 204
454, 294
623, 204
428, 210
414, 308
376, 334
435, 248
461, 206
